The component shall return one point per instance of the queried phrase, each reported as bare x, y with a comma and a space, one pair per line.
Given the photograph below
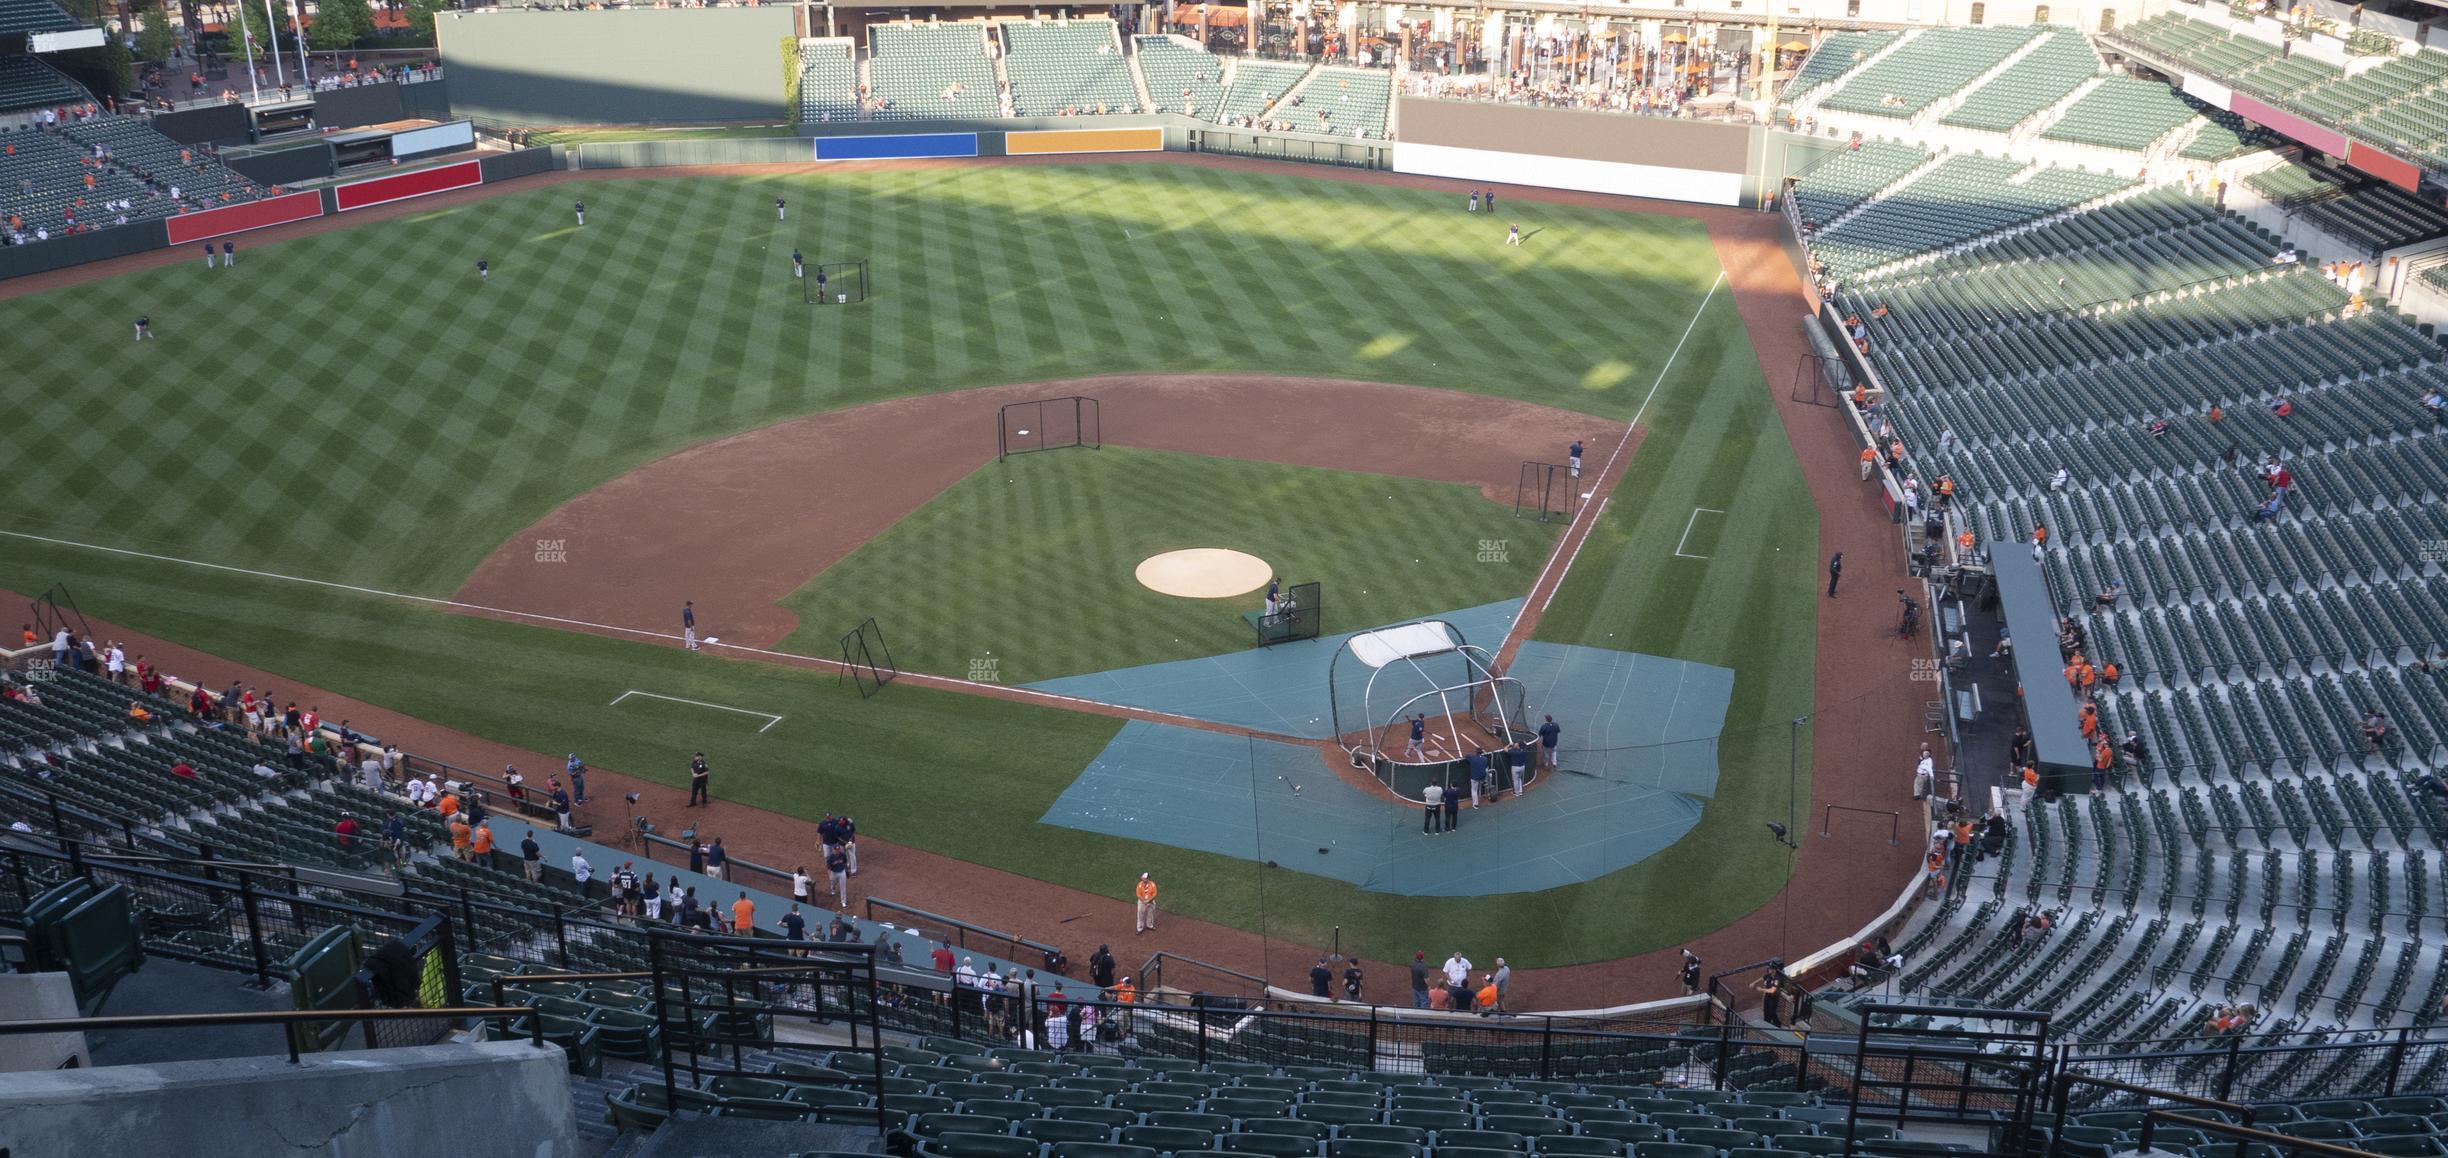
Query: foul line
1687, 530
943, 683
1630, 428
769, 718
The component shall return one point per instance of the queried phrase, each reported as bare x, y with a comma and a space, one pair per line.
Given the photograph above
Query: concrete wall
615, 67
495, 1100
32, 997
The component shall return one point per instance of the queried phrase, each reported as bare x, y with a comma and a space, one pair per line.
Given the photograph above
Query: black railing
270, 1017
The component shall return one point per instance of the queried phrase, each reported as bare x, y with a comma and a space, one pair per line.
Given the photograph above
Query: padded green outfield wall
629, 66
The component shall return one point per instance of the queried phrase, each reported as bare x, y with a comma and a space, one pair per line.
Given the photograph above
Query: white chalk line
1630, 428
769, 718
943, 683
1687, 530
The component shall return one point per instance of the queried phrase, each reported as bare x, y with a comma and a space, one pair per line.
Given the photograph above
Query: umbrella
1794, 46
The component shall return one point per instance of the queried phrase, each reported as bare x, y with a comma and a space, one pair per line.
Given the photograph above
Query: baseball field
334, 446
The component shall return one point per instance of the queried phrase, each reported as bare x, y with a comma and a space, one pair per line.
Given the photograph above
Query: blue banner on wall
896, 145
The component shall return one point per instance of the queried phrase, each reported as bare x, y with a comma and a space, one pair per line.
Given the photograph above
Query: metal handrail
2242, 1135
2062, 1094
269, 1017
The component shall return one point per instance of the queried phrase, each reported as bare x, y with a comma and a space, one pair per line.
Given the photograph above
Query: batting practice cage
1379, 681
1546, 491
1047, 424
836, 283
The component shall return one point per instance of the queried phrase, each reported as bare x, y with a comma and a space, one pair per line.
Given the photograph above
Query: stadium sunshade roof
23, 16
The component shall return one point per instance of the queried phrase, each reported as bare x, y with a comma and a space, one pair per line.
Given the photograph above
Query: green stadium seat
1057, 1130
1101, 1115
1481, 1140
1624, 1131
1295, 1127
1275, 1145
1167, 1138
766, 1109
1364, 1148
645, 1106
1099, 1150
963, 1144
930, 1125
1718, 1139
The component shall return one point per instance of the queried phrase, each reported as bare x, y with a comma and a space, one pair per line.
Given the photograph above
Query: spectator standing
718, 862
1321, 980
395, 836
743, 915
1457, 969
1433, 819
1419, 979
480, 844
531, 856
799, 885
584, 872
1503, 977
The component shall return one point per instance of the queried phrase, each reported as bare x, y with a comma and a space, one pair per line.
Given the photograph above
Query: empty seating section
29, 83
2401, 103
2197, 45
1847, 179
1182, 76
828, 81
931, 71
2054, 68
2436, 276
1928, 67
1343, 102
2292, 186
2224, 135
1257, 84
1959, 199
2379, 217
2266, 852
2122, 113
1835, 56
22, 16
1067, 67
2292, 75
2346, 98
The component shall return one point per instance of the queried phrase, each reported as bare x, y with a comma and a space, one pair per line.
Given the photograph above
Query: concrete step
705, 1136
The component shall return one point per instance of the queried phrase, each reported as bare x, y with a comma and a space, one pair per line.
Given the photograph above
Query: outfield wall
1594, 152
624, 66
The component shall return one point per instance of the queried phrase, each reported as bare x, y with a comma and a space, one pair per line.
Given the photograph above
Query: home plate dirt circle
1204, 573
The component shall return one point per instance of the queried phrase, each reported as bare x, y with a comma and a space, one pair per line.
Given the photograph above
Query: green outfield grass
1030, 562
354, 407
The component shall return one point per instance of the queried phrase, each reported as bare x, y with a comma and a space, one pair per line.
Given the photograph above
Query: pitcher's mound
1204, 573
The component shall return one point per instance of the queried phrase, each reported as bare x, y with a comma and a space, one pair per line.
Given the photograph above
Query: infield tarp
1280, 689
1261, 801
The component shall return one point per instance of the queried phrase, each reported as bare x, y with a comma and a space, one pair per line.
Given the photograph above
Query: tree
421, 19
340, 24
157, 39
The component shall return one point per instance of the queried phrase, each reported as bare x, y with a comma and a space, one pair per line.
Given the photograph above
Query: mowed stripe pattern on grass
1026, 569
356, 406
